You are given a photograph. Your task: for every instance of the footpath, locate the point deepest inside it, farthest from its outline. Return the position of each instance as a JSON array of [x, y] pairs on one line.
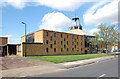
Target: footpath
[[43, 67]]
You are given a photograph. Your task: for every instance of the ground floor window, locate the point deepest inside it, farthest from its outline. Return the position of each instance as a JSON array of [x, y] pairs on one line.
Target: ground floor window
[[46, 49], [54, 49], [19, 48]]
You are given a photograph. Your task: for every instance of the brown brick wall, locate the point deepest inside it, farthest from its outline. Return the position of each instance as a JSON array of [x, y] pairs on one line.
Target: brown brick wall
[[33, 49], [3, 41]]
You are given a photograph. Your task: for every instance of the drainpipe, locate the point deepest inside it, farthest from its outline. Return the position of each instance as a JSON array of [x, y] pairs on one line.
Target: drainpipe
[[7, 50]]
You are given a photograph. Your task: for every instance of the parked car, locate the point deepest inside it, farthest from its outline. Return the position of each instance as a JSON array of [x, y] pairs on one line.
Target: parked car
[[104, 51]]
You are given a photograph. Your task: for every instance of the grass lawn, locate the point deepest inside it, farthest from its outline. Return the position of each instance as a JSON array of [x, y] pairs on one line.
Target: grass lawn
[[67, 58]]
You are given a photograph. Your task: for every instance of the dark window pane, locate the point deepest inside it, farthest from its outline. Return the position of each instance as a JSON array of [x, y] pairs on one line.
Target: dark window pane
[[61, 35], [46, 33], [67, 42], [75, 46], [67, 49], [61, 42], [54, 49], [46, 41], [51, 45], [64, 46], [51, 38], [54, 34], [64, 39], [54, 42], [46, 49], [61, 49], [67, 36]]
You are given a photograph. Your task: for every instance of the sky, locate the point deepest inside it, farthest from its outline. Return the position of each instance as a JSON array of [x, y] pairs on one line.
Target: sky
[[54, 15]]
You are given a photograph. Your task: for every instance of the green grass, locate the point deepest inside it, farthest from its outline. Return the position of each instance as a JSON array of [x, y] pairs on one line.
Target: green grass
[[67, 58]]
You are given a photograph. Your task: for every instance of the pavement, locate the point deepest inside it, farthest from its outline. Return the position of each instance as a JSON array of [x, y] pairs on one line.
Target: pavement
[[107, 68], [42, 67]]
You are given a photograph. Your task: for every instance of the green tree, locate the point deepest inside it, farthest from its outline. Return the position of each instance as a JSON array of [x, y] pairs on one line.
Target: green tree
[[107, 35]]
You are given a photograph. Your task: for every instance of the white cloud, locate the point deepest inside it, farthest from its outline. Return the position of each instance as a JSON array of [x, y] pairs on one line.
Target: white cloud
[[95, 30], [15, 3], [65, 5], [108, 13], [55, 21]]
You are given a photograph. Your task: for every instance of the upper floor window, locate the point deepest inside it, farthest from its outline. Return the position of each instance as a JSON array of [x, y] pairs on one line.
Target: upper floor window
[[72, 49], [64, 46], [72, 36], [46, 33], [46, 41], [67, 42], [54, 42], [61, 36], [75, 46], [72, 43], [54, 34], [77, 43], [50, 45], [64, 39], [75, 40], [61, 42], [51, 38], [77, 37], [67, 36]]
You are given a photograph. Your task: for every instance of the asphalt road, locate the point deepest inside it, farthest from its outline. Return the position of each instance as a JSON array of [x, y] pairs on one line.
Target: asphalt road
[[108, 68]]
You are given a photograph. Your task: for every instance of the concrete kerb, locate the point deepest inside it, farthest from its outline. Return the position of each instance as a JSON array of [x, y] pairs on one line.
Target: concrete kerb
[[68, 65]]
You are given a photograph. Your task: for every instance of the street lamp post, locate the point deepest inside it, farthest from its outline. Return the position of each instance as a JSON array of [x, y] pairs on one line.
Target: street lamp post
[[25, 37]]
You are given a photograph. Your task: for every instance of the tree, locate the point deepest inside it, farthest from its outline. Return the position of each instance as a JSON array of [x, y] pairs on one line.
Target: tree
[[107, 35]]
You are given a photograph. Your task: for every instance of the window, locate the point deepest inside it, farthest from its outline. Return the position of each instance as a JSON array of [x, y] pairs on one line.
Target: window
[[61, 49], [67, 49], [75, 40], [19, 48], [81, 37], [46, 49], [72, 49], [72, 36], [46, 41], [54, 34], [77, 37], [76, 27], [51, 45], [46, 33], [67, 42], [61, 36], [71, 28], [81, 43], [64, 39], [81, 49], [72, 43], [30, 38], [51, 38], [61, 42], [77, 43], [54, 42], [64, 46], [67, 36], [54, 49], [75, 46]]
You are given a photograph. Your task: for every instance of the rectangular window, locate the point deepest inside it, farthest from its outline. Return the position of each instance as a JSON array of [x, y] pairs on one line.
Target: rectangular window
[[46, 41], [54, 34], [76, 27], [81, 49], [54, 49], [61, 49], [72, 36], [75, 46], [67, 49], [46, 33], [77, 37], [77, 43], [61, 36], [72, 43], [64, 46], [51, 38], [19, 48], [50, 45], [54, 42], [67, 42], [81, 43], [67, 36], [64, 39], [61, 42], [75, 40], [72, 49], [81, 37], [46, 49]]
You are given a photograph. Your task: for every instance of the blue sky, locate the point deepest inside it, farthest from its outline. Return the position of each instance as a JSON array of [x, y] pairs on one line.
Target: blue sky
[[54, 15]]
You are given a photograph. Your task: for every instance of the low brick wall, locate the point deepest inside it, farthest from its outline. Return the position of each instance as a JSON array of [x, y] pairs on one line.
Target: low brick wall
[[32, 49]]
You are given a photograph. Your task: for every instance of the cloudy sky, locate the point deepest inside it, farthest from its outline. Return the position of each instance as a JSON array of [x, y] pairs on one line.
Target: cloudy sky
[[54, 15]]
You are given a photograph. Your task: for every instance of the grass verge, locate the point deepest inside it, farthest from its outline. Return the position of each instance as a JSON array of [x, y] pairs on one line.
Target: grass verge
[[68, 58]]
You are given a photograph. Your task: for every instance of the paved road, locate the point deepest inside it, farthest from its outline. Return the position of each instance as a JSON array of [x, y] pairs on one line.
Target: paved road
[[108, 68]]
